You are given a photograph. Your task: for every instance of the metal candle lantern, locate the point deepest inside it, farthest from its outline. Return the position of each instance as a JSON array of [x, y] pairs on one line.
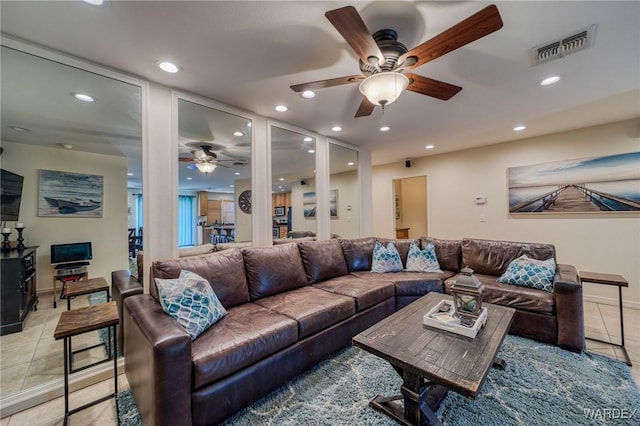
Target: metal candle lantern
[[467, 296]]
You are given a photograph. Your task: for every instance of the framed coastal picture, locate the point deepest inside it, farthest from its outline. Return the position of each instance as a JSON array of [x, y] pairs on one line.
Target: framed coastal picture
[[309, 201], [593, 185], [66, 194]]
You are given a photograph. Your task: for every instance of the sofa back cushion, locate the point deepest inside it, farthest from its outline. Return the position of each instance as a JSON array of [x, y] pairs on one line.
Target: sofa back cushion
[[323, 260], [492, 257], [358, 253], [224, 271], [272, 270], [448, 252]]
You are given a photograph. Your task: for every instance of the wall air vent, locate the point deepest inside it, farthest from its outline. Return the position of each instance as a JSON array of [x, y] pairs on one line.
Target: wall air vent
[[560, 48]]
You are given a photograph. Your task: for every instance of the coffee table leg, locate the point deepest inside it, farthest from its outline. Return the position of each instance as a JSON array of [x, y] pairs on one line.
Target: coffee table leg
[[420, 400], [499, 363]]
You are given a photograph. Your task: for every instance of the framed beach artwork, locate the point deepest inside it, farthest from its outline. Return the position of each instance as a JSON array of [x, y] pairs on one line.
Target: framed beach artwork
[[309, 204], [66, 194], [592, 185]]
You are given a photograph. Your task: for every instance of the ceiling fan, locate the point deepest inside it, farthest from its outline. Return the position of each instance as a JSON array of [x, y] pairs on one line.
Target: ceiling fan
[[205, 160], [384, 60]]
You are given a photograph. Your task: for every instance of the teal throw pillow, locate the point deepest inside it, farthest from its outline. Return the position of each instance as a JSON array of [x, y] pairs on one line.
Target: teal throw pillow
[[190, 300], [528, 272], [422, 260], [386, 259]]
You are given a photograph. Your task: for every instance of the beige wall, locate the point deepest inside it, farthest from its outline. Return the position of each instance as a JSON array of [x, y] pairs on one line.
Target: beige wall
[[107, 234], [346, 225], [592, 242], [413, 205], [298, 222]]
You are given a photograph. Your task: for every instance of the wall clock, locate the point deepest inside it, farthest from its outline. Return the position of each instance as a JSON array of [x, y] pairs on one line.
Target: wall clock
[[244, 201]]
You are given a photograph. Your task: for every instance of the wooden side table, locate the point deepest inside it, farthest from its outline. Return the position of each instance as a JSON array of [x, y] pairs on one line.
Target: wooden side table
[[84, 320], [616, 280]]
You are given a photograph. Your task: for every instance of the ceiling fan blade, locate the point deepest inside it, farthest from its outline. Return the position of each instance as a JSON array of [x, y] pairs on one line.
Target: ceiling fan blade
[[430, 87], [322, 84], [185, 160], [464, 32], [350, 25], [365, 108]]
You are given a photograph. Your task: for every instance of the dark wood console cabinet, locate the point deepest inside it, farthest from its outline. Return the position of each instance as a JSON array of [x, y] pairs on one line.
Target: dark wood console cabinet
[[18, 288]]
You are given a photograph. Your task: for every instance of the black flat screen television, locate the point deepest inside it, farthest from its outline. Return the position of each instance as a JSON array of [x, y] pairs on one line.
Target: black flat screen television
[[10, 195], [73, 252]]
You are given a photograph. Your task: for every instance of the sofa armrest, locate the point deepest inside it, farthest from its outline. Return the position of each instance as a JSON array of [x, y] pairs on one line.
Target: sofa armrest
[[123, 285], [567, 294], [156, 347]]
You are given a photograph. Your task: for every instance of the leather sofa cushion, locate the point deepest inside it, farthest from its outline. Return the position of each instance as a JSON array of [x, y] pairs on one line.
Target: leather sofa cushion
[[401, 245], [322, 260], [408, 283], [491, 257], [247, 334], [358, 253], [223, 270], [312, 308], [448, 252], [365, 292], [272, 270], [513, 296]]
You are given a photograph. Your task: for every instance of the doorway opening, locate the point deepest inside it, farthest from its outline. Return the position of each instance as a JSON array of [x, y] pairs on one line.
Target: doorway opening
[[410, 207]]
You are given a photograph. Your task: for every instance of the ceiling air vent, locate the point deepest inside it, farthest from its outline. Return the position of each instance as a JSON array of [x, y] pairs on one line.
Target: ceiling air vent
[[567, 45]]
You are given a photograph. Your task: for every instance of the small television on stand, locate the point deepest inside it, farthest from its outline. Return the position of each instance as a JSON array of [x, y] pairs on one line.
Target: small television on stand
[[10, 195], [71, 256]]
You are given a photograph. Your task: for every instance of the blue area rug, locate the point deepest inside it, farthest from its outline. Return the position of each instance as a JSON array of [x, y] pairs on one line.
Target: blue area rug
[[541, 385]]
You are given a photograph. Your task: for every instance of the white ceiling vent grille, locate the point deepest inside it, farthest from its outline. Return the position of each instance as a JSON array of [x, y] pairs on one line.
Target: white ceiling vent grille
[[560, 48]]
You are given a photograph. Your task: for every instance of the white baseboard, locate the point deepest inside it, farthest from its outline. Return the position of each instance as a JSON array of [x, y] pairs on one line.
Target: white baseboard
[[611, 301], [40, 394]]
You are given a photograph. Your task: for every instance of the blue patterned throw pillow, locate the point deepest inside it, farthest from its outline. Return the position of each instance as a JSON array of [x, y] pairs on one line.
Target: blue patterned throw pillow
[[422, 260], [190, 300], [528, 272], [386, 259]]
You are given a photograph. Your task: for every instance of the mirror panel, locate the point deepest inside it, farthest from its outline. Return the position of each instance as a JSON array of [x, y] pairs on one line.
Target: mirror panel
[[344, 192], [293, 163], [44, 127], [214, 176]]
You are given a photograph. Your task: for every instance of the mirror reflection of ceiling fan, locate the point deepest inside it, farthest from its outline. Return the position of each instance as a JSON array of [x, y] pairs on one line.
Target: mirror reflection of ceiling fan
[[206, 161], [384, 60]]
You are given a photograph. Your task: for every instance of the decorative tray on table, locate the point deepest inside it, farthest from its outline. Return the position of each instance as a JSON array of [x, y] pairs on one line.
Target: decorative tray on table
[[443, 317]]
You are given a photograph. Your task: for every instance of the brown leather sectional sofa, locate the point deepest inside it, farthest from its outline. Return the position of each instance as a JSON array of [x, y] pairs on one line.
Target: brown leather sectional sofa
[[291, 305]]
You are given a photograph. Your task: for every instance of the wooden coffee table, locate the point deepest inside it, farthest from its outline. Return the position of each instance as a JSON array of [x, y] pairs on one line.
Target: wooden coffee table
[[431, 361]]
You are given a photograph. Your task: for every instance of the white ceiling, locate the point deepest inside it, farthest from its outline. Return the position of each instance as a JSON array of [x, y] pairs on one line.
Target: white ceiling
[[247, 54]]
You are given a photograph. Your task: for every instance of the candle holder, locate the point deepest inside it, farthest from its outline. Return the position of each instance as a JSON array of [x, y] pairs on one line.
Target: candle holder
[[20, 238], [6, 246]]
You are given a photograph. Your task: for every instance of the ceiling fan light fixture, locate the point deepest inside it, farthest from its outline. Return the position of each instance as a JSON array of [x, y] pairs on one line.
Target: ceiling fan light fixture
[[206, 168], [384, 88]]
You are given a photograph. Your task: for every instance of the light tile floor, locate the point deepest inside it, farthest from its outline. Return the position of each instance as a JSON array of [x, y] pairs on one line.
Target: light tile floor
[[601, 321]]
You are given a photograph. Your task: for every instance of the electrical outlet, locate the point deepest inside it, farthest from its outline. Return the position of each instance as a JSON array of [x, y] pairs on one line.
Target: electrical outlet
[[483, 218]]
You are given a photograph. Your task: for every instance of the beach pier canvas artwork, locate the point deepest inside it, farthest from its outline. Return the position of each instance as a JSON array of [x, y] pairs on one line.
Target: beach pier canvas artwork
[[65, 194], [593, 185]]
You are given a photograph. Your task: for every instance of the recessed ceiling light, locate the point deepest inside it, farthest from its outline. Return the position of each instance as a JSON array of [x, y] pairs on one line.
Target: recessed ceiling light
[[94, 2], [19, 129], [281, 178], [550, 80], [279, 187], [237, 173], [237, 133], [385, 128], [282, 190], [308, 139], [308, 94], [519, 128], [230, 186], [429, 147], [66, 145], [281, 108], [189, 178], [350, 163], [249, 124], [312, 151], [83, 97], [336, 128], [169, 67], [129, 174]]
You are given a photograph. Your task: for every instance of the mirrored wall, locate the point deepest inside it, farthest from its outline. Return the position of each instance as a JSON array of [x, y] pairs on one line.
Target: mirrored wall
[[293, 169], [66, 121], [214, 176], [344, 191]]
